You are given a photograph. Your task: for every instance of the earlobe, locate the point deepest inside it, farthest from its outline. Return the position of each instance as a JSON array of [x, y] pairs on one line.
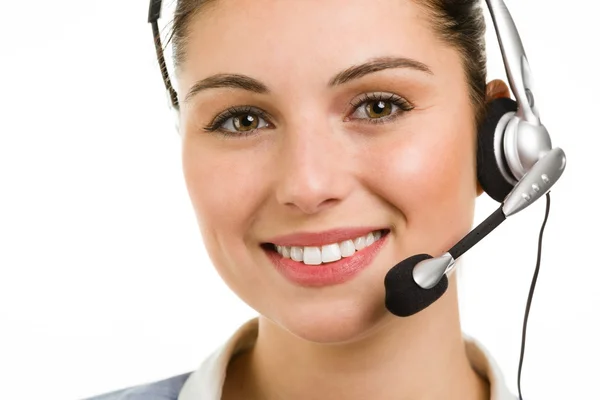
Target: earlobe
[[496, 89]]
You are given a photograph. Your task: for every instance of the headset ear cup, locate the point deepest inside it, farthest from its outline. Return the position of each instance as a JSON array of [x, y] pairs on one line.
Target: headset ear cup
[[489, 174]]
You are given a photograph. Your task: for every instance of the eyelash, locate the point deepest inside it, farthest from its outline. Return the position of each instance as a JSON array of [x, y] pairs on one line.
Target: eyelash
[[403, 105]]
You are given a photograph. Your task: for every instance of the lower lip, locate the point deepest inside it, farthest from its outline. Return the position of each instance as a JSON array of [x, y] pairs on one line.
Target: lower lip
[[326, 274]]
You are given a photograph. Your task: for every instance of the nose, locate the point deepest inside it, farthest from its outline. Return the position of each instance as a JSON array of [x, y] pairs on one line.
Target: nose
[[315, 168]]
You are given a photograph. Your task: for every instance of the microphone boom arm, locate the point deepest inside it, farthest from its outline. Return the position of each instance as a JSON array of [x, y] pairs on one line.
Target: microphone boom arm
[[535, 184]]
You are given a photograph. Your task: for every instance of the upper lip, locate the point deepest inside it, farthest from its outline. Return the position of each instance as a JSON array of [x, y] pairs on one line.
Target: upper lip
[[302, 239]]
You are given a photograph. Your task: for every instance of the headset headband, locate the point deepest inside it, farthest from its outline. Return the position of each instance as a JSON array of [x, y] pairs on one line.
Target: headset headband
[[153, 17]]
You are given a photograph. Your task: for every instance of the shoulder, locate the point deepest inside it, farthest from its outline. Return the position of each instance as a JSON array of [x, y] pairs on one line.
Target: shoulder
[[166, 389]]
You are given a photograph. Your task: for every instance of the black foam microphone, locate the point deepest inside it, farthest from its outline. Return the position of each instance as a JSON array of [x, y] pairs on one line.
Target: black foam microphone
[[417, 282]]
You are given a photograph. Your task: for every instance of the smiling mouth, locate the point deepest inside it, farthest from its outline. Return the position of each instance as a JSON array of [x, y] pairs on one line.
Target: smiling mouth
[[318, 255]]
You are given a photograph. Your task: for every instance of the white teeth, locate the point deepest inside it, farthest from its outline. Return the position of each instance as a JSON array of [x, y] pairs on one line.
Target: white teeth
[[370, 239], [347, 248], [360, 243], [312, 255], [297, 253], [331, 253]]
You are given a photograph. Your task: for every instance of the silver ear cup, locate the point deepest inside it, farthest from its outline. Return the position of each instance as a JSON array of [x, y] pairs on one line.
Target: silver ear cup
[[524, 144], [508, 147]]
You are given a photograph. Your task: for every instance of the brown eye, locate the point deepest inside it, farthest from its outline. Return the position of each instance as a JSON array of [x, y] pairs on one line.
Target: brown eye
[[245, 122], [378, 109]]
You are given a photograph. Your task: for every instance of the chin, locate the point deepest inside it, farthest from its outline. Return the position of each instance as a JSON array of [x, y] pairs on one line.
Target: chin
[[332, 322]]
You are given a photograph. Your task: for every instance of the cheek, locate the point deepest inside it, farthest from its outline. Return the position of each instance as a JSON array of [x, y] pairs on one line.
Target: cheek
[[225, 191], [224, 188], [429, 176]]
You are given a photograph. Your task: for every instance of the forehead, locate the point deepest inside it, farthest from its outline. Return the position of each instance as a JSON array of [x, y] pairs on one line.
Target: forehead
[[306, 39]]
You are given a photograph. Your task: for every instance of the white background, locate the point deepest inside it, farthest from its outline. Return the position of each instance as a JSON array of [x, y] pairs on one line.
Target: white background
[[104, 281]]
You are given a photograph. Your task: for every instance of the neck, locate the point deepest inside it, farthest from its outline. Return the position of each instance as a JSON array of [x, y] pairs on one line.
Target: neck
[[420, 357]]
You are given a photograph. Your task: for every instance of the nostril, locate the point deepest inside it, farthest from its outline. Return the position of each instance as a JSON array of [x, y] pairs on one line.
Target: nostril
[[307, 206]]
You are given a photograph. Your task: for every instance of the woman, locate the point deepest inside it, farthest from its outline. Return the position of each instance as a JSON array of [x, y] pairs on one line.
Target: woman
[[323, 142]]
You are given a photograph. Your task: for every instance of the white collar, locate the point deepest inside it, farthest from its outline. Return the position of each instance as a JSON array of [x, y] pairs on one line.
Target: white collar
[[206, 383]]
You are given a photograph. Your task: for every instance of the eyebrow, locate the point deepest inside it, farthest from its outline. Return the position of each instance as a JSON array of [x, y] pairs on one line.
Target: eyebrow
[[234, 81], [244, 82], [376, 65]]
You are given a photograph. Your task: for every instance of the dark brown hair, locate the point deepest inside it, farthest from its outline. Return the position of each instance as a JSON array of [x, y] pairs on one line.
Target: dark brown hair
[[459, 23]]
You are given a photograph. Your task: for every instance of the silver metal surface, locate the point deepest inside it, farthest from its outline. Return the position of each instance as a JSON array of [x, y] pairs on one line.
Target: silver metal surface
[[428, 273], [515, 61], [524, 145], [499, 151], [525, 139], [536, 183]]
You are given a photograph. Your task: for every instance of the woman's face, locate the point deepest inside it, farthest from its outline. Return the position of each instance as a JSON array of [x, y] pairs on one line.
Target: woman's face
[[343, 117]]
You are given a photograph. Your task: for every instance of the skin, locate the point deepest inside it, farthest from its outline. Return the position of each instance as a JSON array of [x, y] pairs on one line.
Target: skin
[[319, 165]]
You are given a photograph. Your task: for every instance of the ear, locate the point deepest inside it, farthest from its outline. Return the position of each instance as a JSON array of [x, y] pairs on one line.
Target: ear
[[494, 90]]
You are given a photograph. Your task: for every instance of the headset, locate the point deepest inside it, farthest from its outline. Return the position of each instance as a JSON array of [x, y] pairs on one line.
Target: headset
[[516, 165]]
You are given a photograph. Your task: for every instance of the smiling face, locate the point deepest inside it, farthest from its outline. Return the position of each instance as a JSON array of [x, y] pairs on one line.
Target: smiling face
[[313, 123]]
